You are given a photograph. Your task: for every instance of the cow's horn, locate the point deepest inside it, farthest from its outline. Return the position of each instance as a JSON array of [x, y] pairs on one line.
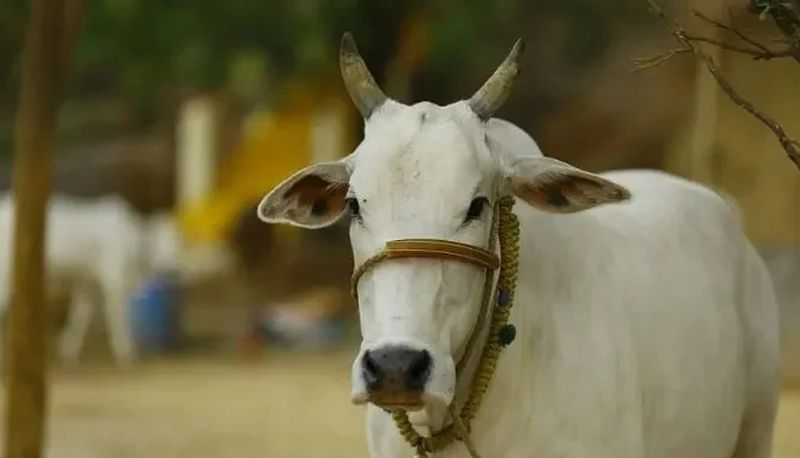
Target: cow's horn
[[366, 94], [496, 89]]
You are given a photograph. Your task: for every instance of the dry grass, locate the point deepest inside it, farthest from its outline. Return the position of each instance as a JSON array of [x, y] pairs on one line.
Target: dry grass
[[291, 405]]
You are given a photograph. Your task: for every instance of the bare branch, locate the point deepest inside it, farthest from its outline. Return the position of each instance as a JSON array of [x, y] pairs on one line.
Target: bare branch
[[733, 30], [756, 53], [791, 147], [643, 63], [785, 14]]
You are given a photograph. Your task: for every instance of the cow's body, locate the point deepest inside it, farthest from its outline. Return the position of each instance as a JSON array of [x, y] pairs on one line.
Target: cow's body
[[93, 254], [647, 329], [646, 324]]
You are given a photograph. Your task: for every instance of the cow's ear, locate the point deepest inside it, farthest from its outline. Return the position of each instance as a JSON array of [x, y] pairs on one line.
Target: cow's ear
[[312, 198], [543, 182], [557, 187]]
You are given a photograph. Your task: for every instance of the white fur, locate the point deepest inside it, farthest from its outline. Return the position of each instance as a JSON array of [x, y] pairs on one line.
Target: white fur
[[162, 244], [645, 328], [94, 253]]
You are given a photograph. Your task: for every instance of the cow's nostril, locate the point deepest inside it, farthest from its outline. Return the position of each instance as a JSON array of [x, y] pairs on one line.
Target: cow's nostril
[[371, 371], [419, 371]]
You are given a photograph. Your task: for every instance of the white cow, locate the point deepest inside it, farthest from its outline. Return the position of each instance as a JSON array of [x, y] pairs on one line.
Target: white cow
[[98, 251], [646, 322]]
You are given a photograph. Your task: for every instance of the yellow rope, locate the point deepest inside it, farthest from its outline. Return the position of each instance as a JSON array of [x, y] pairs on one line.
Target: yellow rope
[[463, 432], [363, 268], [508, 232]]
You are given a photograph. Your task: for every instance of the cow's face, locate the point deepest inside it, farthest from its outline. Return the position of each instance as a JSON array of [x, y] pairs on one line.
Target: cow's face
[[425, 171]]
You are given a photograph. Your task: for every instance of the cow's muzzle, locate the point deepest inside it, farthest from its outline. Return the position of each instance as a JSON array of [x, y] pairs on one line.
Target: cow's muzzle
[[395, 376]]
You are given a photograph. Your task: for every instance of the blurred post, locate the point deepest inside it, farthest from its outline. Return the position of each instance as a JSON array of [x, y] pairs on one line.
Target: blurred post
[[706, 106], [196, 150], [195, 164], [52, 31]]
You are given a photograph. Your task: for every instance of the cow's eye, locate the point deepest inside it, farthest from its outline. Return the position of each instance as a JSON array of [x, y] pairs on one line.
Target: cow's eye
[[353, 207], [475, 208]]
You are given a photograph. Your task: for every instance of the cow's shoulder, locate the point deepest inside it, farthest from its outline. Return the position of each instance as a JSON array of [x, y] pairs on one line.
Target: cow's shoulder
[[664, 212]]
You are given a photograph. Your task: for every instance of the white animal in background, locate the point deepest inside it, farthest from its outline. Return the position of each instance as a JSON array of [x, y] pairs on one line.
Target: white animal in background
[[95, 248], [646, 322], [162, 244]]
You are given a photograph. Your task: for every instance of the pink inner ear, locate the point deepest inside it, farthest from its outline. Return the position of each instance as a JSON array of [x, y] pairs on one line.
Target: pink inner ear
[[567, 193], [558, 193], [323, 198]]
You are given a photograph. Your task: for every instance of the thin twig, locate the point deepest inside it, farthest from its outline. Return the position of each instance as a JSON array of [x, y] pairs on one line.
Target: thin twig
[[785, 14], [733, 30], [757, 53], [644, 63], [758, 50], [792, 147]]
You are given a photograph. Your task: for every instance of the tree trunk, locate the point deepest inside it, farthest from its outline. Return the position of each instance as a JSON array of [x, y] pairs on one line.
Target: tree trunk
[[52, 30]]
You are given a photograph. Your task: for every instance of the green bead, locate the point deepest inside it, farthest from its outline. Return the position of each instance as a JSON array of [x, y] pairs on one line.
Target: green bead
[[506, 334]]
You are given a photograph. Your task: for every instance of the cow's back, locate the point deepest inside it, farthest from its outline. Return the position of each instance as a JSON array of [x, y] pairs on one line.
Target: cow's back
[[86, 238], [642, 314]]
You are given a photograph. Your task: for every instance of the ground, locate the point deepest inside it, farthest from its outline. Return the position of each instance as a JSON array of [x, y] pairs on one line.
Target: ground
[[283, 405]]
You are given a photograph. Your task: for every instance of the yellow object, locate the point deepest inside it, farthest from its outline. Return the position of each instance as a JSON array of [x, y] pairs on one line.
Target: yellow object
[[274, 146]]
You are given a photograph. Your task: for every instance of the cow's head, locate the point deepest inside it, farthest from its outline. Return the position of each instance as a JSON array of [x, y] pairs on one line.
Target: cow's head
[[425, 171]]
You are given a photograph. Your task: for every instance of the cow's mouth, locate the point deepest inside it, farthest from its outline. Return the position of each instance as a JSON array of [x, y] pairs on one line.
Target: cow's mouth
[[392, 400]]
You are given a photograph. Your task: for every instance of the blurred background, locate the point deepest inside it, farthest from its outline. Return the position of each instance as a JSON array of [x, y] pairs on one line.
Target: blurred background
[[189, 111]]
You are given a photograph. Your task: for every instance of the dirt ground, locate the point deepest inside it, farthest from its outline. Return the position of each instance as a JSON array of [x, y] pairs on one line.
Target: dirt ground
[[285, 405]]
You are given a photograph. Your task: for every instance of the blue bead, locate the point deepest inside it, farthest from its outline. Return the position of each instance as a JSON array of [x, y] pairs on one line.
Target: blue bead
[[503, 298]]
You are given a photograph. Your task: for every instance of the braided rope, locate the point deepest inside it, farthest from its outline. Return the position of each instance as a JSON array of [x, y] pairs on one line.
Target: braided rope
[[508, 232], [463, 432]]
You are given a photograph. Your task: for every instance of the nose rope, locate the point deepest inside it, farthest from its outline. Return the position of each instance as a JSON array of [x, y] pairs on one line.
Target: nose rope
[[428, 248], [505, 227], [463, 432]]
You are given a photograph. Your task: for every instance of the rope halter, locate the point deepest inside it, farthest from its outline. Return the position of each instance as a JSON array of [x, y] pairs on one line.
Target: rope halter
[[505, 227]]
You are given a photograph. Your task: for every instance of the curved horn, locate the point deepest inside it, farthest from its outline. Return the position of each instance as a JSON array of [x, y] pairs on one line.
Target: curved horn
[[366, 94], [496, 89]]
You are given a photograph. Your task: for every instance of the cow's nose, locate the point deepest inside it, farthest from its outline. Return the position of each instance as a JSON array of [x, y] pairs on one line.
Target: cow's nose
[[396, 369]]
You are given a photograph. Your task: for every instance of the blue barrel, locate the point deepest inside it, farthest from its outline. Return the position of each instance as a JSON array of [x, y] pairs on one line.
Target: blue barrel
[[155, 315]]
